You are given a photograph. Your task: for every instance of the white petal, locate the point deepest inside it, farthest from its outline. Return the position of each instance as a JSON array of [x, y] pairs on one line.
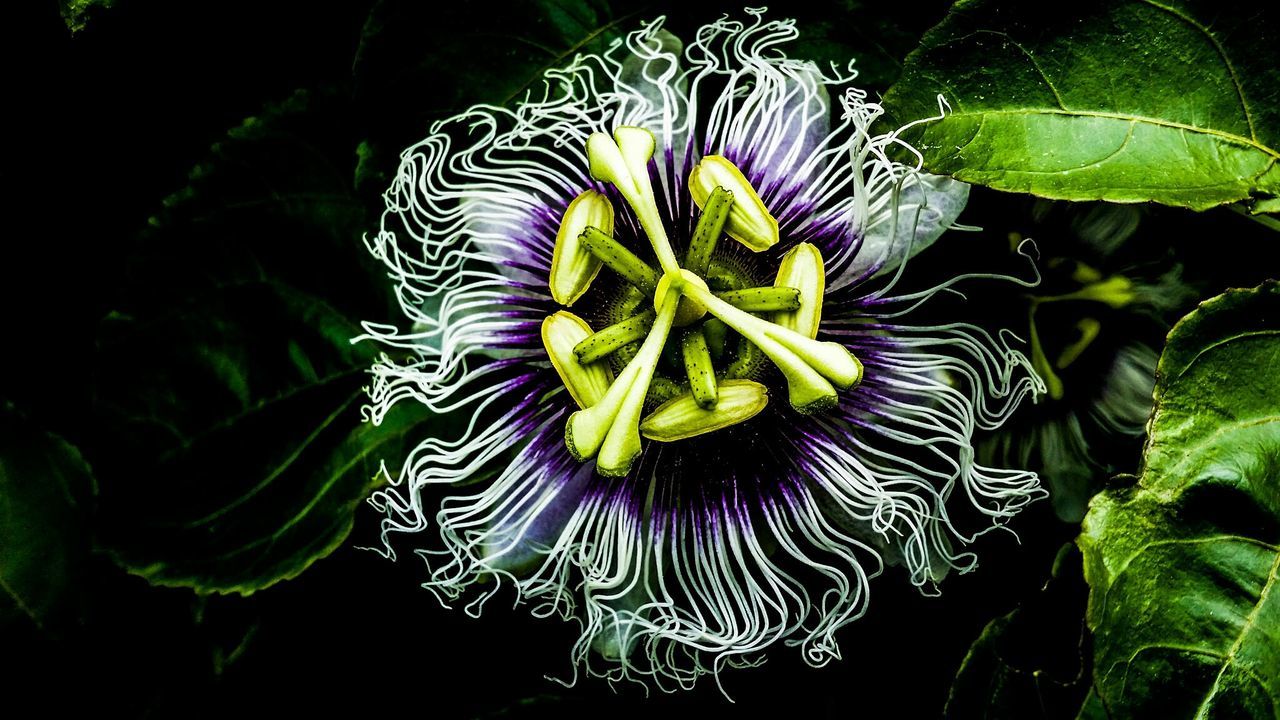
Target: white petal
[[529, 516], [925, 207]]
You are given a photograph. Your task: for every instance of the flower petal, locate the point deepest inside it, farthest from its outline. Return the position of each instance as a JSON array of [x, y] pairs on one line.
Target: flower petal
[[902, 227], [530, 513]]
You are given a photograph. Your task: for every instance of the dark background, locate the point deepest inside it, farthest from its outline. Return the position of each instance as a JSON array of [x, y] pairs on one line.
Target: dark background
[[107, 123]]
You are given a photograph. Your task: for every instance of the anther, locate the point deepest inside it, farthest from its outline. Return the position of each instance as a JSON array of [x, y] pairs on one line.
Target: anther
[[614, 338], [620, 259], [749, 220], [802, 268], [573, 267], [586, 383], [683, 417]]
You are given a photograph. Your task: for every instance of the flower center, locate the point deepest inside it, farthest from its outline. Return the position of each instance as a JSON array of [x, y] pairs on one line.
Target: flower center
[[697, 382]]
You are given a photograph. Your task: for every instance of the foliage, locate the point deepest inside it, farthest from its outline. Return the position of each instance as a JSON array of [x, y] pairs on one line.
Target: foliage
[[253, 340], [1183, 566], [76, 13], [1029, 662], [46, 491], [1132, 101]]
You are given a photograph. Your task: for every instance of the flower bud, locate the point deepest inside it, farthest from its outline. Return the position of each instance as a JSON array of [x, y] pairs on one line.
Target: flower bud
[[683, 417], [749, 220], [586, 383], [801, 268], [573, 267]]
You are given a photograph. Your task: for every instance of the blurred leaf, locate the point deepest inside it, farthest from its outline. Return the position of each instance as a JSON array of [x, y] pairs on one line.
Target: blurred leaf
[[488, 53], [1029, 663], [1095, 427], [45, 491], [272, 201], [1183, 567], [228, 389], [418, 62], [76, 12], [1124, 101], [876, 36]]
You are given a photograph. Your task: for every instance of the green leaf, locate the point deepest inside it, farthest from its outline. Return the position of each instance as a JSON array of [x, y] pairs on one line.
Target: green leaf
[[232, 444], [1130, 101], [45, 491], [488, 53], [273, 200], [1183, 566]]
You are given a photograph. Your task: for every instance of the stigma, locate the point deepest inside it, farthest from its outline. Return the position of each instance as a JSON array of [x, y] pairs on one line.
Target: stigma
[[694, 357]]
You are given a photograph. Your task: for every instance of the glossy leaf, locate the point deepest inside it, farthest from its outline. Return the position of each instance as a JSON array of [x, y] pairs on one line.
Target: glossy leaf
[[1183, 566], [1131, 101]]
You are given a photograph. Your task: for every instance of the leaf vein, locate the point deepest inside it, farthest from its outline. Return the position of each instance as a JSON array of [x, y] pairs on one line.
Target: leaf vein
[[278, 471], [1031, 58], [1222, 53], [17, 600], [1249, 622]]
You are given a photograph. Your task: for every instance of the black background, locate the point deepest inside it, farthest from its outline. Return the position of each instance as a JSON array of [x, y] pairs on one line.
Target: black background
[[103, 125]]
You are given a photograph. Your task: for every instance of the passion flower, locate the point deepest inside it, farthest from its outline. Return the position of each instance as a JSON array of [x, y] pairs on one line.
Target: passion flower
[[692, 414]]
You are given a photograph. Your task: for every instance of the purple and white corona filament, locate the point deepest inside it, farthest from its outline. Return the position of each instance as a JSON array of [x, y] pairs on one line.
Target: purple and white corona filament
[[692, 414]]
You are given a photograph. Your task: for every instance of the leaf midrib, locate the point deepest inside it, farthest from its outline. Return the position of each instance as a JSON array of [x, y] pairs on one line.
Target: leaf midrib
[[1125, 117], [1250, 141], [333, 477], [1249, 623], [332, 540], [20, 603], [276, 472]]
